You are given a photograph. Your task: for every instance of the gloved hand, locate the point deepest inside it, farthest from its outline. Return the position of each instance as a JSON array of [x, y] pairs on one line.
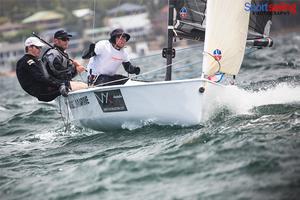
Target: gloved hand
[[137, 70], [64, 90], [91, 79], [90, 52]]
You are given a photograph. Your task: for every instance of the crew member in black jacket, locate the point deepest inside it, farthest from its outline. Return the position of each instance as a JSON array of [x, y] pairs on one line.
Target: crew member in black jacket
[[32, 75], [58, 64]]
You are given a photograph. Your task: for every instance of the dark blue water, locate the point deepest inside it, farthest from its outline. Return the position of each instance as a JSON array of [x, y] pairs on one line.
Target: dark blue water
[[248, 149]]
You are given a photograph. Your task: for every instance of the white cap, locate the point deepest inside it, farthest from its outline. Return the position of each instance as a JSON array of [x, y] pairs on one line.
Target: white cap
[[33, 41]]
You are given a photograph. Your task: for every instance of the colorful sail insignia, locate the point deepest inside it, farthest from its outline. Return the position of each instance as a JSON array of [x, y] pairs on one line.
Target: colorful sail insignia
[[183, 12], [217, 54]]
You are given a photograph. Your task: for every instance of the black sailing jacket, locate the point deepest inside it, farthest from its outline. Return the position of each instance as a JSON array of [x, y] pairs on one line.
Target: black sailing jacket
[[35, 80]]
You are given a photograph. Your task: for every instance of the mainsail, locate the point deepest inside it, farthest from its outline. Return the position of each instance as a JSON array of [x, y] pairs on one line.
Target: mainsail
[[190, 20], [225, 37], [259, 24]]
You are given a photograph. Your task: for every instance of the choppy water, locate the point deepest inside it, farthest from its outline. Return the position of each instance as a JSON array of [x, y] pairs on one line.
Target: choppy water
[[249, 149]]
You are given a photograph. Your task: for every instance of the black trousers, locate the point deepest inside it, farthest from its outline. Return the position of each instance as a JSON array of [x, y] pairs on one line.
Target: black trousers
[[116, 79]]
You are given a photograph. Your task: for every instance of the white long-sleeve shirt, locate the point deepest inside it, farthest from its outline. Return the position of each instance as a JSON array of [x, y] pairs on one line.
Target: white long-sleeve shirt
[[107, 59]]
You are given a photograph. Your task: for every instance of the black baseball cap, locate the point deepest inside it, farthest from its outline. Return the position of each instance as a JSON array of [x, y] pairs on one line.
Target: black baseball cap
[[61, 34], [117, 32]]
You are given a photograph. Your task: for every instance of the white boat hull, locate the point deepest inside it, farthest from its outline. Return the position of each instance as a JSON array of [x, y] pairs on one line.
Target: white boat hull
[[138, 103]]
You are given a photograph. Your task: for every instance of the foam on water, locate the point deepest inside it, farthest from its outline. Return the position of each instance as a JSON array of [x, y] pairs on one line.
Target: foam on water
[[2, 108], [241, 101]]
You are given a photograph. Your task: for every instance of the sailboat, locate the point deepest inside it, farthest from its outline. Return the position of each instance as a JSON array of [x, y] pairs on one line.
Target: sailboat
[[225, 29]]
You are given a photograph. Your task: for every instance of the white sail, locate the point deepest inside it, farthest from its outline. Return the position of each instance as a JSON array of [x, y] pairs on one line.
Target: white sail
[[225, 37]]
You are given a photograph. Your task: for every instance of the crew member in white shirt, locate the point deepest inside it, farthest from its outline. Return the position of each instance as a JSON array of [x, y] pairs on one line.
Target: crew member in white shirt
[[105, 59]]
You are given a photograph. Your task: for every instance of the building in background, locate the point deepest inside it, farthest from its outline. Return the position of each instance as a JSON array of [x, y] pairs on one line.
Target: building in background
[[85, 18], [96, 34], [9, 54], [134, 19], [44, 20], [10, 29]]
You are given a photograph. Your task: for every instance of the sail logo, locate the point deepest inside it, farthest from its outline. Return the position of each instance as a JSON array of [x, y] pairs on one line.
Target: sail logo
[[272, 8], [111, 101], [217, 54], [183, 12]]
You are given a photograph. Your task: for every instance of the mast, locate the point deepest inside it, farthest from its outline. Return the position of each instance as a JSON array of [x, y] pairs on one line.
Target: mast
[[168, 52]]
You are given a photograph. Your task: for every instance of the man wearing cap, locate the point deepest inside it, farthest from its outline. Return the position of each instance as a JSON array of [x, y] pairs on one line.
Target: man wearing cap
[[33, 76], [107, 57], [59, 65]]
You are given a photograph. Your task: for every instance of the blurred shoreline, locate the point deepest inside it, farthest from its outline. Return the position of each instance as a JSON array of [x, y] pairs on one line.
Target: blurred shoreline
[[276, 33]]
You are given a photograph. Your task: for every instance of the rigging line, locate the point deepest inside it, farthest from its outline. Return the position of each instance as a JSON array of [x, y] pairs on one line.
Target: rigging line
[[187, 65], [103, 84], [116, 13], [94, 21], [254, 23], [259, 26], [191, 47], [156, 54], [192, 14], [199, 11], [134, 76], [204, 52], [149, 72], [200, 6], [161, 68], [253, 26], [174, 63], [61, 115], [68, 123], [204, 12], [180, 60]]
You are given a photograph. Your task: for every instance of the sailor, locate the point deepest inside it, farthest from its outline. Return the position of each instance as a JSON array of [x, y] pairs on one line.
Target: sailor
[[59, 66], [32, 74], [106, 56]]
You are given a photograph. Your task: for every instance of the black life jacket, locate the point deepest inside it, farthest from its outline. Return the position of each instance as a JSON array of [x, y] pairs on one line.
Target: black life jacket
[[58, 65]]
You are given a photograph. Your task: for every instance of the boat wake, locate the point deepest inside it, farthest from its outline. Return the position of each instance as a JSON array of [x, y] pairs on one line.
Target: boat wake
[[240, 101]]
